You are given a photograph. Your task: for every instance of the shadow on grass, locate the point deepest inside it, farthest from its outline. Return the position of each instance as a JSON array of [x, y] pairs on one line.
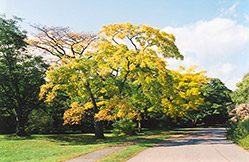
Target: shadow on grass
[[85, 139], [15, 137]]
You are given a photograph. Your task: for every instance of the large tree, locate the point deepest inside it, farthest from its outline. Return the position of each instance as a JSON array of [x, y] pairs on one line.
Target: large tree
[[124, 54], [124, 67], [20, 74]]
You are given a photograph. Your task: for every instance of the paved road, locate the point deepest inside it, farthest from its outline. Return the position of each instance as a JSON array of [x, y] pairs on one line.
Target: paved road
[[202, 145]]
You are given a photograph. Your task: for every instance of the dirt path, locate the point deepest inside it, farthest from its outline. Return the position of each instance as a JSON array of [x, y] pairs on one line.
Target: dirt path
[[201, 145]]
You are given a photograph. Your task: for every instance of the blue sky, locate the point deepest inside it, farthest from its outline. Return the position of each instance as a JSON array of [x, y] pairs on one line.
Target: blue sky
[[213, 34]]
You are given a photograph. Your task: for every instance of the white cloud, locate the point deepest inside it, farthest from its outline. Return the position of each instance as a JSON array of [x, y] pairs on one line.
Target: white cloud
[[187, 62], [218, 37], [230, 11], [246, 18], [213, 45], [222, 71]]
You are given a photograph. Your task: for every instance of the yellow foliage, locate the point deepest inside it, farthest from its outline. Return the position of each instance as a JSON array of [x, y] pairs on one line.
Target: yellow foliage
[[125, 52], [187, 89]]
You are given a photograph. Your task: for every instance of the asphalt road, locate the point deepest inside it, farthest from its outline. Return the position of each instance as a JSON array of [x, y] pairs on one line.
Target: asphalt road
[[201, 145]]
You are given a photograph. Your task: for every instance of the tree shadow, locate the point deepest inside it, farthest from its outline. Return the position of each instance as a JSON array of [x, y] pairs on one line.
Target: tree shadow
[[88, 139], [82, 139], [207, 136], [17, 138]]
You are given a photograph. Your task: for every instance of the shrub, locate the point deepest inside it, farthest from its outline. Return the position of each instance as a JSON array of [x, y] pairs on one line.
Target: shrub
[[124, 127], [238, 131], [40, 122]]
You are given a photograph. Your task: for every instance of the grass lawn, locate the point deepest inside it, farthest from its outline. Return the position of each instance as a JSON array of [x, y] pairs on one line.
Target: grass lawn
[[51, 148]]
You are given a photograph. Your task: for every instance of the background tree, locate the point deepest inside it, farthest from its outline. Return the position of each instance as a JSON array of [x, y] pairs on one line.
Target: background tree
[[239, 113], [217, 101], [20, 74], [241, 94]]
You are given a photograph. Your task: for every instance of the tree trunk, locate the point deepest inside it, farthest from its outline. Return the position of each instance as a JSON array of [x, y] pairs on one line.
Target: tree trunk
[[20, 128], [99, 132], [20, 125], [139, 126]]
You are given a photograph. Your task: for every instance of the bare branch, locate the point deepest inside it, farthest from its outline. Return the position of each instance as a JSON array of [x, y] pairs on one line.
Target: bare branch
[[132, 43], [60, 41]]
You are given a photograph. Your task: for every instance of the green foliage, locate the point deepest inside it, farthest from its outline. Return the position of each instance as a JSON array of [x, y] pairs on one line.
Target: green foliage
[[217, 102], [241, 95], [124, 127], [7, 125], [20, 74], [238, 131], [40, 121]]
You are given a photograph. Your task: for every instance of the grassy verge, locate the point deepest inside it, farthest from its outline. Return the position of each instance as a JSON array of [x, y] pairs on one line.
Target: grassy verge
[[132, 150], [52, 148], [244, 142]]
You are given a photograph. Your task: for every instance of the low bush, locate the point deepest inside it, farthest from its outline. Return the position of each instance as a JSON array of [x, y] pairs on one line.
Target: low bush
[[124, 127], [40, 122]]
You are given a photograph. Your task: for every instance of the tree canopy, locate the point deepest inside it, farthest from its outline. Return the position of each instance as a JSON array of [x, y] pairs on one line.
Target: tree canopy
[[123, 68]]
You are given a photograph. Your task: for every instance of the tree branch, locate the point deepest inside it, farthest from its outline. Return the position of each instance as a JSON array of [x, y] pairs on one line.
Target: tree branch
[[132, 43], [126, 75]]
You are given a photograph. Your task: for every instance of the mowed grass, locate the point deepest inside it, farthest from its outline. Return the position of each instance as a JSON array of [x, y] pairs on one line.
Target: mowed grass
[[51, 148]]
